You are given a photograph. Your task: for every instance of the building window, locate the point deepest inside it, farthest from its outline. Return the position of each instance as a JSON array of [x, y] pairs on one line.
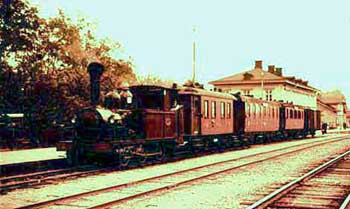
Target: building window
[[268, 94], [228, 110], [213, 109], [206, 109], [222, 109], [246, 92]]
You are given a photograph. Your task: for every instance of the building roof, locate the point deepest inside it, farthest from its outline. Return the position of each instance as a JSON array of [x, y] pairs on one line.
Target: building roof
[[258, 74], [333, 97], [326, 106], [254, 74]]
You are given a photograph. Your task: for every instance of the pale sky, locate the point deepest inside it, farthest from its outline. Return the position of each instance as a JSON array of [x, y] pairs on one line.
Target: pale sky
[[308, 39]]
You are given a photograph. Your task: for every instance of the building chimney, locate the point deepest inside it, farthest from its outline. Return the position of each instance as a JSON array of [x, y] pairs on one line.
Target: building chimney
[[95, 70], [278, 71], [271, 69], [258, 64]]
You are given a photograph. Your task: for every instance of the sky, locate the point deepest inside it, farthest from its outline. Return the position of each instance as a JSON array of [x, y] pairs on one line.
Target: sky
[[308, 39]]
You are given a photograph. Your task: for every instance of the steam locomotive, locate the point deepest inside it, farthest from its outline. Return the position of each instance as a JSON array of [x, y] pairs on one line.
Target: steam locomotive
[[151, 122]]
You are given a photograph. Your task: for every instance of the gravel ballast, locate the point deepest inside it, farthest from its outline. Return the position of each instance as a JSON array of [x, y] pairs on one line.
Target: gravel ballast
[[227, 190]]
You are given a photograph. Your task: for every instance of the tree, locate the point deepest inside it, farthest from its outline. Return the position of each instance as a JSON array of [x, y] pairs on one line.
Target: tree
[[43, 62], [153, 80]]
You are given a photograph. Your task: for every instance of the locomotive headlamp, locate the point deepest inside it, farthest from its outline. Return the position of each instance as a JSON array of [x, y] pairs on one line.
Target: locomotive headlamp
[[111, 120], [73, 120]]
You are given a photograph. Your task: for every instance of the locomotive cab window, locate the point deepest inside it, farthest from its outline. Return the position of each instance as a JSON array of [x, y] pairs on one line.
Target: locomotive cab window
[[206, 109], [222, 109], [213, 109]]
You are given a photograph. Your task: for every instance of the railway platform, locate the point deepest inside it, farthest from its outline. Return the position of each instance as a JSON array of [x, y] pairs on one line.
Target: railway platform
[[30, 159], [30, 155]]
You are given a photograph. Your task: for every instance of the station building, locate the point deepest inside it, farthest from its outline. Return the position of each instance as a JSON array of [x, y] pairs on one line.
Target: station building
[[269, 85], [328, 113], [348, 118], [337, 101]]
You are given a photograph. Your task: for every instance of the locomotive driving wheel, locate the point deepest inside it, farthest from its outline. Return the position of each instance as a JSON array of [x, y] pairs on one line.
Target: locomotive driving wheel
[[122, 156], [161, 155]]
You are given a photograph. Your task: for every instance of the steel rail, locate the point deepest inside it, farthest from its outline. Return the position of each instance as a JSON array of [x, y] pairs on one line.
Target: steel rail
[[119, 186], [265, 201], [346, 203], [20, 181]]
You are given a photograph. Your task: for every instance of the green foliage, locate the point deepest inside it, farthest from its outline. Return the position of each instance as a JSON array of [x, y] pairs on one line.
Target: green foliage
[[153, 80], [43, 62]]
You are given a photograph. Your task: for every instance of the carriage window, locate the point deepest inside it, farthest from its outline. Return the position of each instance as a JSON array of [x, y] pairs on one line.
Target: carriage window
[[295, 114], [206, 109], [213, 109], [222, 109], [228, 110], [291, 113], [299, 114], [253, 110], [273, 112]]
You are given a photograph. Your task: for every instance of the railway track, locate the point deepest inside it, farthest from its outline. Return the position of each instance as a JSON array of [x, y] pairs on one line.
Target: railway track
[[326, 186], [116, 194], [43, 177], [9, 183]]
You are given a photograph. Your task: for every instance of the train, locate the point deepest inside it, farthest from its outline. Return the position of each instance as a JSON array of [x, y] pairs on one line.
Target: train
[[143, 122]]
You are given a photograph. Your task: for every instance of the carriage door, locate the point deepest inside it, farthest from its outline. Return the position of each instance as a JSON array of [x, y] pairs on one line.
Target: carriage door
[[282, 118], [192, 115], [196, 115]]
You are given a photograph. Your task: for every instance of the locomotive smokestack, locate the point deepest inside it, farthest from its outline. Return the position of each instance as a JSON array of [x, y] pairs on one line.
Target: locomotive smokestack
[[95, 70]]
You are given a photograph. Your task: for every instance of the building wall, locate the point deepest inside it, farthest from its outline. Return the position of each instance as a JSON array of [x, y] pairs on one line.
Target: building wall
[[328, 116], [341, 117], [278, 93]]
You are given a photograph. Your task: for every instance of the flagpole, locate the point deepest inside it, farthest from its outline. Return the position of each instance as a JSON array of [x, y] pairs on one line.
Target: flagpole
[[194, 57]]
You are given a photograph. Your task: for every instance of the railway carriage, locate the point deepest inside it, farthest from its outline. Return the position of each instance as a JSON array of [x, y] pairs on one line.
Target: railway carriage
[[208, 118], [261, 121]]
